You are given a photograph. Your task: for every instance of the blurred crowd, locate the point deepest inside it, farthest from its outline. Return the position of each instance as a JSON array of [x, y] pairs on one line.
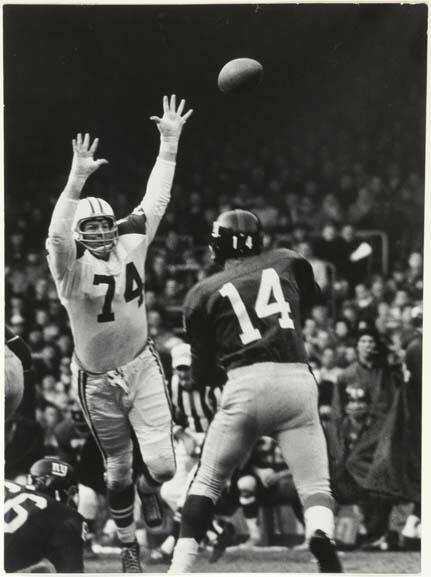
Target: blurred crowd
[[336, 211]]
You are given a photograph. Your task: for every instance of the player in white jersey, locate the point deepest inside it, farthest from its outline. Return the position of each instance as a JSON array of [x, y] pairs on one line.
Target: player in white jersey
[[98, 266]]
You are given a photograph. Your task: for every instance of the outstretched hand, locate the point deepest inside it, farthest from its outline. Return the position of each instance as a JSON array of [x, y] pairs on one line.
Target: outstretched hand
[[172, 121], [83, 163]]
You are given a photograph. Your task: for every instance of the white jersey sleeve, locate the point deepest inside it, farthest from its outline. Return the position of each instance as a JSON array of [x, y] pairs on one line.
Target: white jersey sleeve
[[157, 195], [60, 243]]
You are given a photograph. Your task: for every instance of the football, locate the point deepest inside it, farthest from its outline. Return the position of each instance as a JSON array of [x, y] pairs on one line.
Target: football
[[240, 75]]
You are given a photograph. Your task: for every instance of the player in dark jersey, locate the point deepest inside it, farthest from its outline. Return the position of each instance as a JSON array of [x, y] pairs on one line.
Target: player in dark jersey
[[247, 321], [41, 522]]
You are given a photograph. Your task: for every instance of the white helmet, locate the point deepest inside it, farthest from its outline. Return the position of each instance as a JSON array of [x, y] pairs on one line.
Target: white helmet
[[91, 208]]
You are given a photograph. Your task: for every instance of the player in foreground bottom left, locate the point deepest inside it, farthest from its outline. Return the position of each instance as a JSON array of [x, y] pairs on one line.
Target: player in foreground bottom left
[[44, 533]]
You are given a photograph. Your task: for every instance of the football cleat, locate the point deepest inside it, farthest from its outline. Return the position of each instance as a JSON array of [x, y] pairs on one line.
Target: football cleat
[[224, 540], [325, 552], [130, 558]]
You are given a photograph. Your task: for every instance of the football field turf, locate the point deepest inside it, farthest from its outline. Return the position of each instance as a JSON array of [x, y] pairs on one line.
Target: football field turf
[[276, 559]]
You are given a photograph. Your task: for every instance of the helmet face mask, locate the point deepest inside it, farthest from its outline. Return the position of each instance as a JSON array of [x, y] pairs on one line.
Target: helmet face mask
[[100, 238], [235, 234], [99, 242]]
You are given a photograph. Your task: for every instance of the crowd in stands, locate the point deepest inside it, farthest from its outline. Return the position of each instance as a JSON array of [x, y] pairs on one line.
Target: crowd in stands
[[324, 208]]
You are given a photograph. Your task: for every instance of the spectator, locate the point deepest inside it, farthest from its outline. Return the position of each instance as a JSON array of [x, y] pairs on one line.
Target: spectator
[[320, 267], [362, 398], [267, 213], [361, 212], [157, 272], [330, 210], [365, 304], [330, 247], [329, 371], [414, 275], [355, 268]]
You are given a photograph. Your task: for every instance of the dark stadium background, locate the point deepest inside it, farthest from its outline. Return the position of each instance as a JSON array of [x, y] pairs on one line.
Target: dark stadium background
[[339, 70]]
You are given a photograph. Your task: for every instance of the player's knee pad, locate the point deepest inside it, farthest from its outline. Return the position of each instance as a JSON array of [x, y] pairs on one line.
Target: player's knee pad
[[161, 469], [119, 471], [170, 493], [247, 485], [88, 503]]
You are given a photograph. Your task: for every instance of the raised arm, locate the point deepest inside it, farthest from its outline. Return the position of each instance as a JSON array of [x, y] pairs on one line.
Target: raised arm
[[159, 185], [60, 243]]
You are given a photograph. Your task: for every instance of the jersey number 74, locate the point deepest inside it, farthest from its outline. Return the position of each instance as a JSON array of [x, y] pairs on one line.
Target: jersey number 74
[[133, 289]]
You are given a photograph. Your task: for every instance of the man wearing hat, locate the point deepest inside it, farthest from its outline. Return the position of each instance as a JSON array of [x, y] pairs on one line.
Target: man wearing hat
[[362, 399]]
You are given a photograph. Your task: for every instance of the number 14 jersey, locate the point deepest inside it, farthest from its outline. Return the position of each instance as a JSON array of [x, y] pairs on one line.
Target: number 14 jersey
[[250, 313]]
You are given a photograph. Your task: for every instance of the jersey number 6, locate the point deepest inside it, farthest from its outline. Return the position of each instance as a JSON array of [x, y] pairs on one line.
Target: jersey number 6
[[134, 289], [18, 508], [269, 285]]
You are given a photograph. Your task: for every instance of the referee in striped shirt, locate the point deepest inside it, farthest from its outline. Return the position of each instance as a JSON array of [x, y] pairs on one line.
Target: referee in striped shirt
[[193, 409]]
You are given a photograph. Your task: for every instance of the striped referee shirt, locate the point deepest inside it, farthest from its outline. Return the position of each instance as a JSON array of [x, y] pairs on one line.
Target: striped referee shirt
[[194, 408]]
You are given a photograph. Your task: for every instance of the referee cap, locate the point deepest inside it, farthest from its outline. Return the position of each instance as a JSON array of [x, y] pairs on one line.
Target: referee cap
[[181, 355]]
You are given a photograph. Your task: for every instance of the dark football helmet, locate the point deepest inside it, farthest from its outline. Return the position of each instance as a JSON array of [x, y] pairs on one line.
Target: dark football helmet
[[235, 234], [55, 478]]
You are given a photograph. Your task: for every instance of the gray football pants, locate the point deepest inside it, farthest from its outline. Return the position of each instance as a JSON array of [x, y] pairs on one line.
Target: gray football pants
[[133, 396], [273, 399]]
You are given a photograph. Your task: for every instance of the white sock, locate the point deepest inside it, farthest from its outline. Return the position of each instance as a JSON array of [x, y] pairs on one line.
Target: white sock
[[410, 528], [168, 545], [88, 503], [127, 534], [185, 554], [319, 517], [253, 528]]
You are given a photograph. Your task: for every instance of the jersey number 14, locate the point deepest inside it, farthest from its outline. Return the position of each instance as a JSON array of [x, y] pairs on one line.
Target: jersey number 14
[[269, 290]]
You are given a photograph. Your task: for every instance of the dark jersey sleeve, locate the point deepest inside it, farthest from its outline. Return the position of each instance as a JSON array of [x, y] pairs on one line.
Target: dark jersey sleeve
[[309, 291], [66, 546], [135, 223], [205, 370]]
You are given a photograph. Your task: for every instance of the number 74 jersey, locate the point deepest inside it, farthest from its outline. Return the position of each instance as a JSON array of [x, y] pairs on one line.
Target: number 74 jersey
[[250, 313], [105, 299]]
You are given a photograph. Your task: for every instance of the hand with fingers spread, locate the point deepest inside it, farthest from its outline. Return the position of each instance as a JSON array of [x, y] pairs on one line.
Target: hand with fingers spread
[[83, 163], [172, 121]]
